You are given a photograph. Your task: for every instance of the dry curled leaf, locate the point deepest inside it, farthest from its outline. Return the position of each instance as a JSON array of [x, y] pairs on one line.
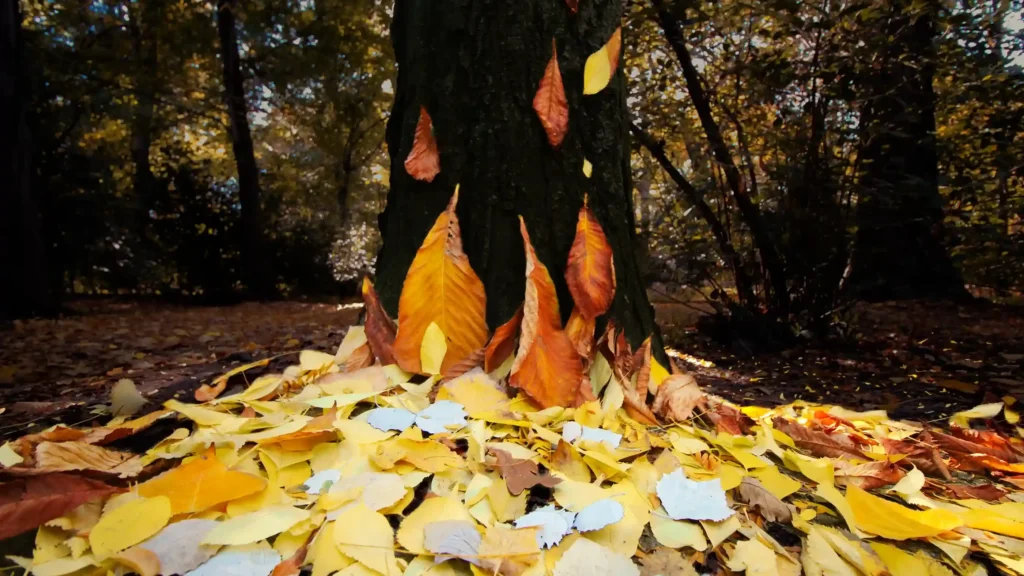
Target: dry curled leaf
[[590, 272], [441, 288], [521, 474], [550, 103], [471, 362], [869, 475], [68, 456], [503, 342], [987, 492], [677, 396], [924, 457], [547, 367], [816, 442], [380, 328], [758, 497], [992, 444], [666, 562], [423, 162], [27, 503], [581, 332], [361, 357]]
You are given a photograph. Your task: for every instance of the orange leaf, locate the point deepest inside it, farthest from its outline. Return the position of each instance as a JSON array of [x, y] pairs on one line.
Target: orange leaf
[[28, 503], [550, 103], [503, 342], [292, 566], [380, 329], [676, 397], [423, 161], [614, 48], [208, 392], [590, 272], [200, 484], [441, 288], [361, 357], [474, 360], [67, 456], [643, 371], [547, 367], [581, 332]]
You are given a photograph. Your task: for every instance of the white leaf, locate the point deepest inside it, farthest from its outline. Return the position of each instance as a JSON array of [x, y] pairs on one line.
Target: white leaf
[[554, 524], [385, 419], [598, 515], [571, 431], [322, 481], [452, 539], [685, 499], [441, 416], [259, 562], [588, 558], [599, 435], [178, 545], [125, 399]]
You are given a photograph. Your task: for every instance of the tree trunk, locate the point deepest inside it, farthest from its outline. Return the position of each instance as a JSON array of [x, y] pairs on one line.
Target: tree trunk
[[255, 270], [144, 43], [898, 249], [476, 65], [25, 290]]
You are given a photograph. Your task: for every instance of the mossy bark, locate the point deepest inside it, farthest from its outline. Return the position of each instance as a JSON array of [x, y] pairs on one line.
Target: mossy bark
[[476, 65]]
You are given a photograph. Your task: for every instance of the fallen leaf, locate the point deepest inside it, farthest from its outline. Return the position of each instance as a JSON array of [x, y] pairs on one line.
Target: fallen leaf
[[68, 456], [546, 367], [598, 515], [569, 462], [590, 271], [128, 525], [235, 562], [666, 562], [983, 411], [386, 419], [987, 492], [521, 474], [958, 446], [676, 397], [757, 496], [816, 442], [411, 533], [423, 162], [321, 481], [255, 526], [503, 342], [580, 331], [433, 349], [685, 499], [896, 522], [441, 416], [441, 288], [179, 548], [508, 551], [593, 559], [452, 539], [553, 524], [550, 104], [469, 363], [292, 565], [139, 561], [377, 490], [677, 533], [921, 456], [754, 558], [869, 475], [27, 503], [366, 536], [125, 399], [380, 328], [601, 65], [200, 484]]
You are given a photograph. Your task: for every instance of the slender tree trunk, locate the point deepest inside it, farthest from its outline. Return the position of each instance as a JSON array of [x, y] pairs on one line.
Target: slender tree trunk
[[25, 289], [255, 270], [771, 261], [898, 249], [144, 42], [476, 65]]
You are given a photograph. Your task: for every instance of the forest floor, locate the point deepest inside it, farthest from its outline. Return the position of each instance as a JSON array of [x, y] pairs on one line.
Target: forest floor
[[918, 360]]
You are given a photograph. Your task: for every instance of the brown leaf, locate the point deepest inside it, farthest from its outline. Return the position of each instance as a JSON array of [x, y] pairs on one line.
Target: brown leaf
[[292, 565], [474, 360], [521, 474], [423, 162], [360, 358], [869, 475], [1003, 446], [550, 104], [642, 362], [68, 456], [547, 367], [568, 461], [581, 333], [955, 445], [666, 562], [585, 393], [30, 502], [987, 492], [107, 434], [380, 328], [676, 397], [614, 49], [503, 342], [926, 458], [727, 419], [758, 497], [590, 271], [816, 442]]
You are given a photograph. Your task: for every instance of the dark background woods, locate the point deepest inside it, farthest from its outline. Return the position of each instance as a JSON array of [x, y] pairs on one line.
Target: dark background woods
[[787, 156]]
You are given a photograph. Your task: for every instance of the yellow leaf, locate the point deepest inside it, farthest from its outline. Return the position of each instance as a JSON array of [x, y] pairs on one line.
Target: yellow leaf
[[477, 392], [600, 66], [776, 482], [201, 483], [441, 288], [63, 566], [410, 532], [429, 455], [755, 558], [718, 532], [314, 360], [361, 432], [990, 519], [324, 553], [677, 533], [365, 535], [818, 557], [128, 525], [199, 414], [256, 526], [898, 561], [506, 507], [8, 457], [894, 521], [962, 419], [503, 542], [432, 350], [588, 168]]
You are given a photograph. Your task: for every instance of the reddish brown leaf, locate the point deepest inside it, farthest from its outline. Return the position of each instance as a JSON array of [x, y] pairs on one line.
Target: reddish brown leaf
[[69, 456], [360, 358], [474, 360], [208, 392], [992, 440], [503, 342], [550, 104], [642, 363], [574, 5], [581, 332], [590, 272], [614, 49], [758, 497], [816, 442], [521, 474], [31, 502], [292, 565], [987, 492], [728, 419], [958, 446], [926, 458], [585, 393], [108, 434], [869, 475], [677, 396], [423, 162], [380, 328], [547, 367]]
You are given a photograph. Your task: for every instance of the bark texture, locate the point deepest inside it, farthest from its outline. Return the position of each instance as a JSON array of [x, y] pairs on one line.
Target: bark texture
[[476, 65], [898, 250], [254, 260], [144, 28]]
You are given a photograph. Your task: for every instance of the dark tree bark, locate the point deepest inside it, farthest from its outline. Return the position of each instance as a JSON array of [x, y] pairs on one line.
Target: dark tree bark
[[771, 261], [25, 289], [476, 65], [255, 269], [898, 249], [144, 29]]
